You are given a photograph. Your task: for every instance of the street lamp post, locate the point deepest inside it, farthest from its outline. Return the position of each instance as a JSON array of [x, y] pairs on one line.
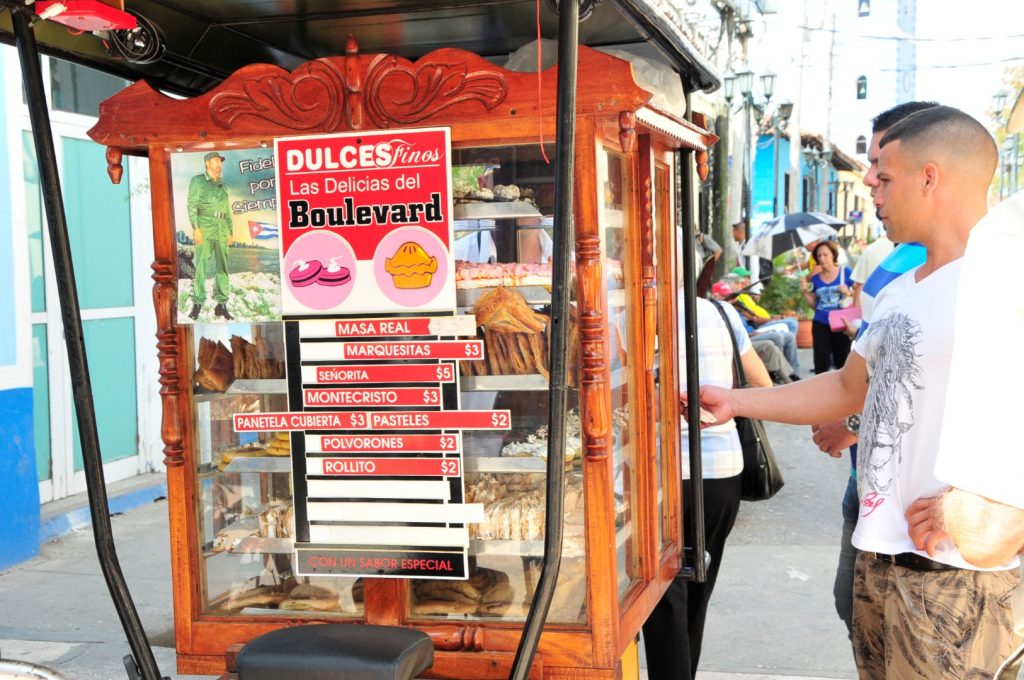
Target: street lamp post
[[745, 82]]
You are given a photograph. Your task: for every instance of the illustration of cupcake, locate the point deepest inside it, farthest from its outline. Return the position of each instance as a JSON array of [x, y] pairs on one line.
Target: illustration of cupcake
[[305, 273], [334, 275], [411, 266]]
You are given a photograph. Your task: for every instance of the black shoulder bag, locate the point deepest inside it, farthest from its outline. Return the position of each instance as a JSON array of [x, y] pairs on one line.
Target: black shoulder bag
[[761, 477]]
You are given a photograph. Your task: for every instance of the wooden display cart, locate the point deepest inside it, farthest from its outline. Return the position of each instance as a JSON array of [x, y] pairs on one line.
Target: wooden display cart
[[230, 544]]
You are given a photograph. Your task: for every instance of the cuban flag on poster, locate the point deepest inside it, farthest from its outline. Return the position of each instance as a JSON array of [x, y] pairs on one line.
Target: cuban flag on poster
[[262, 230]]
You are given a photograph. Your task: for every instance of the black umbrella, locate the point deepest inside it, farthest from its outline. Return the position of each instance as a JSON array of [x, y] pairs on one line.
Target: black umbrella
[[789, 231]]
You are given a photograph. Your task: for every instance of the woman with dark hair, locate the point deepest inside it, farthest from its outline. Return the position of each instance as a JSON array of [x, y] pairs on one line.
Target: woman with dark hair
[[825, 291]]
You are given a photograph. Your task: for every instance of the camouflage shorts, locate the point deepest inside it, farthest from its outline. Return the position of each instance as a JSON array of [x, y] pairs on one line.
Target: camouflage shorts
[[931, 624]]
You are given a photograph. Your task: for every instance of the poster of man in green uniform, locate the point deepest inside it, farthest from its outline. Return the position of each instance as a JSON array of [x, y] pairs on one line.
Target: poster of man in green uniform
[[212, 233], [226, 229]]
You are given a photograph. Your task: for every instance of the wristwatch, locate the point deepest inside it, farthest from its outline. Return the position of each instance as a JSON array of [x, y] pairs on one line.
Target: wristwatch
[[853, 424]]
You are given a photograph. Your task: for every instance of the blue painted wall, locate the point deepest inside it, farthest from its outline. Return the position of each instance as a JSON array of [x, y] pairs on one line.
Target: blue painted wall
[[8, 343], [19, 521], [19, 487], [762, 194]]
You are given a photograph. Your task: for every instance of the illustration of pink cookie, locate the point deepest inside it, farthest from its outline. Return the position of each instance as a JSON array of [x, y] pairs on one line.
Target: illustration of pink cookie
[[334, 275], [305, 273]]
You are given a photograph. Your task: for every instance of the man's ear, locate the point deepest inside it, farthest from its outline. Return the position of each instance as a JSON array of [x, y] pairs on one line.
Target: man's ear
[[930, 177]]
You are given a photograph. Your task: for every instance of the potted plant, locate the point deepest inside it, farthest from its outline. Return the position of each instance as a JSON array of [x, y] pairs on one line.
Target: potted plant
[[782, 296]]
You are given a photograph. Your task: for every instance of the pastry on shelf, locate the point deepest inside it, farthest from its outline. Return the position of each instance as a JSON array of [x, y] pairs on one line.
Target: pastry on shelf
[[514, 506], [513, 332], [261, 596], [469, 275], [251, 451], [215, 367], [233, 534], [506, 192], [276, 520], [307, 597], [486, 591], [255, 360], [280, 444]]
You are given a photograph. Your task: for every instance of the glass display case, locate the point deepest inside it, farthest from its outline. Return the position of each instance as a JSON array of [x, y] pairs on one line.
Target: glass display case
[[231, 493], [244, 515]]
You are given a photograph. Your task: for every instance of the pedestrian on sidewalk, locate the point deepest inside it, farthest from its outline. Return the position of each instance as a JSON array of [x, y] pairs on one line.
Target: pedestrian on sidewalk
[[675, 629]]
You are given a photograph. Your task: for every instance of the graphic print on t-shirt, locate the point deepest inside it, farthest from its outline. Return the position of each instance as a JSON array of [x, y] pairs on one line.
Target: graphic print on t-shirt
[[888, 414]]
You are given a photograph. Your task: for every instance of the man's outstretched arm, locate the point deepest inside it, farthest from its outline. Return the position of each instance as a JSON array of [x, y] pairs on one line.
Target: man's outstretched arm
[[808, 402]]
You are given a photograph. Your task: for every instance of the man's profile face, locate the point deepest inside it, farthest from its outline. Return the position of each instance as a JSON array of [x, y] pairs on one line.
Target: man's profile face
[[215, 167], [871, 178], [892, 195]]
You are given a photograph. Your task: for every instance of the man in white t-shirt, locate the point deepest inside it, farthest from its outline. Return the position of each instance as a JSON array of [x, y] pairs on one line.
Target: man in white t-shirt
[[914, 616]]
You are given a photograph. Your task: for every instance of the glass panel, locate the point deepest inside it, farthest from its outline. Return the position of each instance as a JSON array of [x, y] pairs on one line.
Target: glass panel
[[110, 346], [99, 227], [78, 89], [615, 185], [41, 401], [244, 512], [34, 222], [503, 232]]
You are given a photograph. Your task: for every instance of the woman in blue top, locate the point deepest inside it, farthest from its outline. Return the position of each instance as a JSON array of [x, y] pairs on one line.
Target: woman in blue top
[[827, 288]]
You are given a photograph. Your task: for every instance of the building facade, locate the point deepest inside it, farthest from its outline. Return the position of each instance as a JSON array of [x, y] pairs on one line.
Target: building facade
[[108, 228], [875, 59]]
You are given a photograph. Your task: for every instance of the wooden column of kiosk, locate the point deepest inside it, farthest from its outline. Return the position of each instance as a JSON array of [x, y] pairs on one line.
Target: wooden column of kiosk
[[364, 439]]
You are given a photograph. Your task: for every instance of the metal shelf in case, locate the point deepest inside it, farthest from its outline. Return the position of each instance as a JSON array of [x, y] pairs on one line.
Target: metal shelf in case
[[534, 295], [505, 464], [243, 387], [495, 210], [531, 382], [276, 464], [572, 546]]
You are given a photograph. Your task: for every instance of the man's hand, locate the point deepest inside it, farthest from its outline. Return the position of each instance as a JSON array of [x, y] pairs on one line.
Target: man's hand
[[717, 401], [231, 239], [197, 236], [832, 437], [925, 525]]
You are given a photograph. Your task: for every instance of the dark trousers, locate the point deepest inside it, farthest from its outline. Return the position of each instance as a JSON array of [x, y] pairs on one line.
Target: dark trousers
[[829, 347], [675, 629]]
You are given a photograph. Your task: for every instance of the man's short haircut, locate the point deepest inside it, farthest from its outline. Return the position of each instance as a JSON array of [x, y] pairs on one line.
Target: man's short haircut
[[952, 129], [886, 119]]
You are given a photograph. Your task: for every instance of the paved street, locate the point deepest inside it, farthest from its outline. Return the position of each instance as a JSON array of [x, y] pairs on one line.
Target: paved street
[[771, 615]]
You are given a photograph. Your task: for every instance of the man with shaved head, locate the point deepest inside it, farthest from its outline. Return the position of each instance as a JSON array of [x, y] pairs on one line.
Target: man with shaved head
[[917, 614]]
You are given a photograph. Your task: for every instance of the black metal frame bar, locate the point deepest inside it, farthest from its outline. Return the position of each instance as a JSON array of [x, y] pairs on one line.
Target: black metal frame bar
[[81, 386], [694, 564], [565, 141]]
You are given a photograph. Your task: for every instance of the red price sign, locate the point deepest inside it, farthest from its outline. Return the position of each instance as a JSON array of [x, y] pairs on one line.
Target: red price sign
[[372, 396], [379, 373], [437, 349], [384, 467]]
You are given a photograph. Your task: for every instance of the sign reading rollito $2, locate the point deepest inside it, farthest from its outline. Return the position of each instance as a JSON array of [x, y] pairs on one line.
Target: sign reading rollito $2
[[365, 222]]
